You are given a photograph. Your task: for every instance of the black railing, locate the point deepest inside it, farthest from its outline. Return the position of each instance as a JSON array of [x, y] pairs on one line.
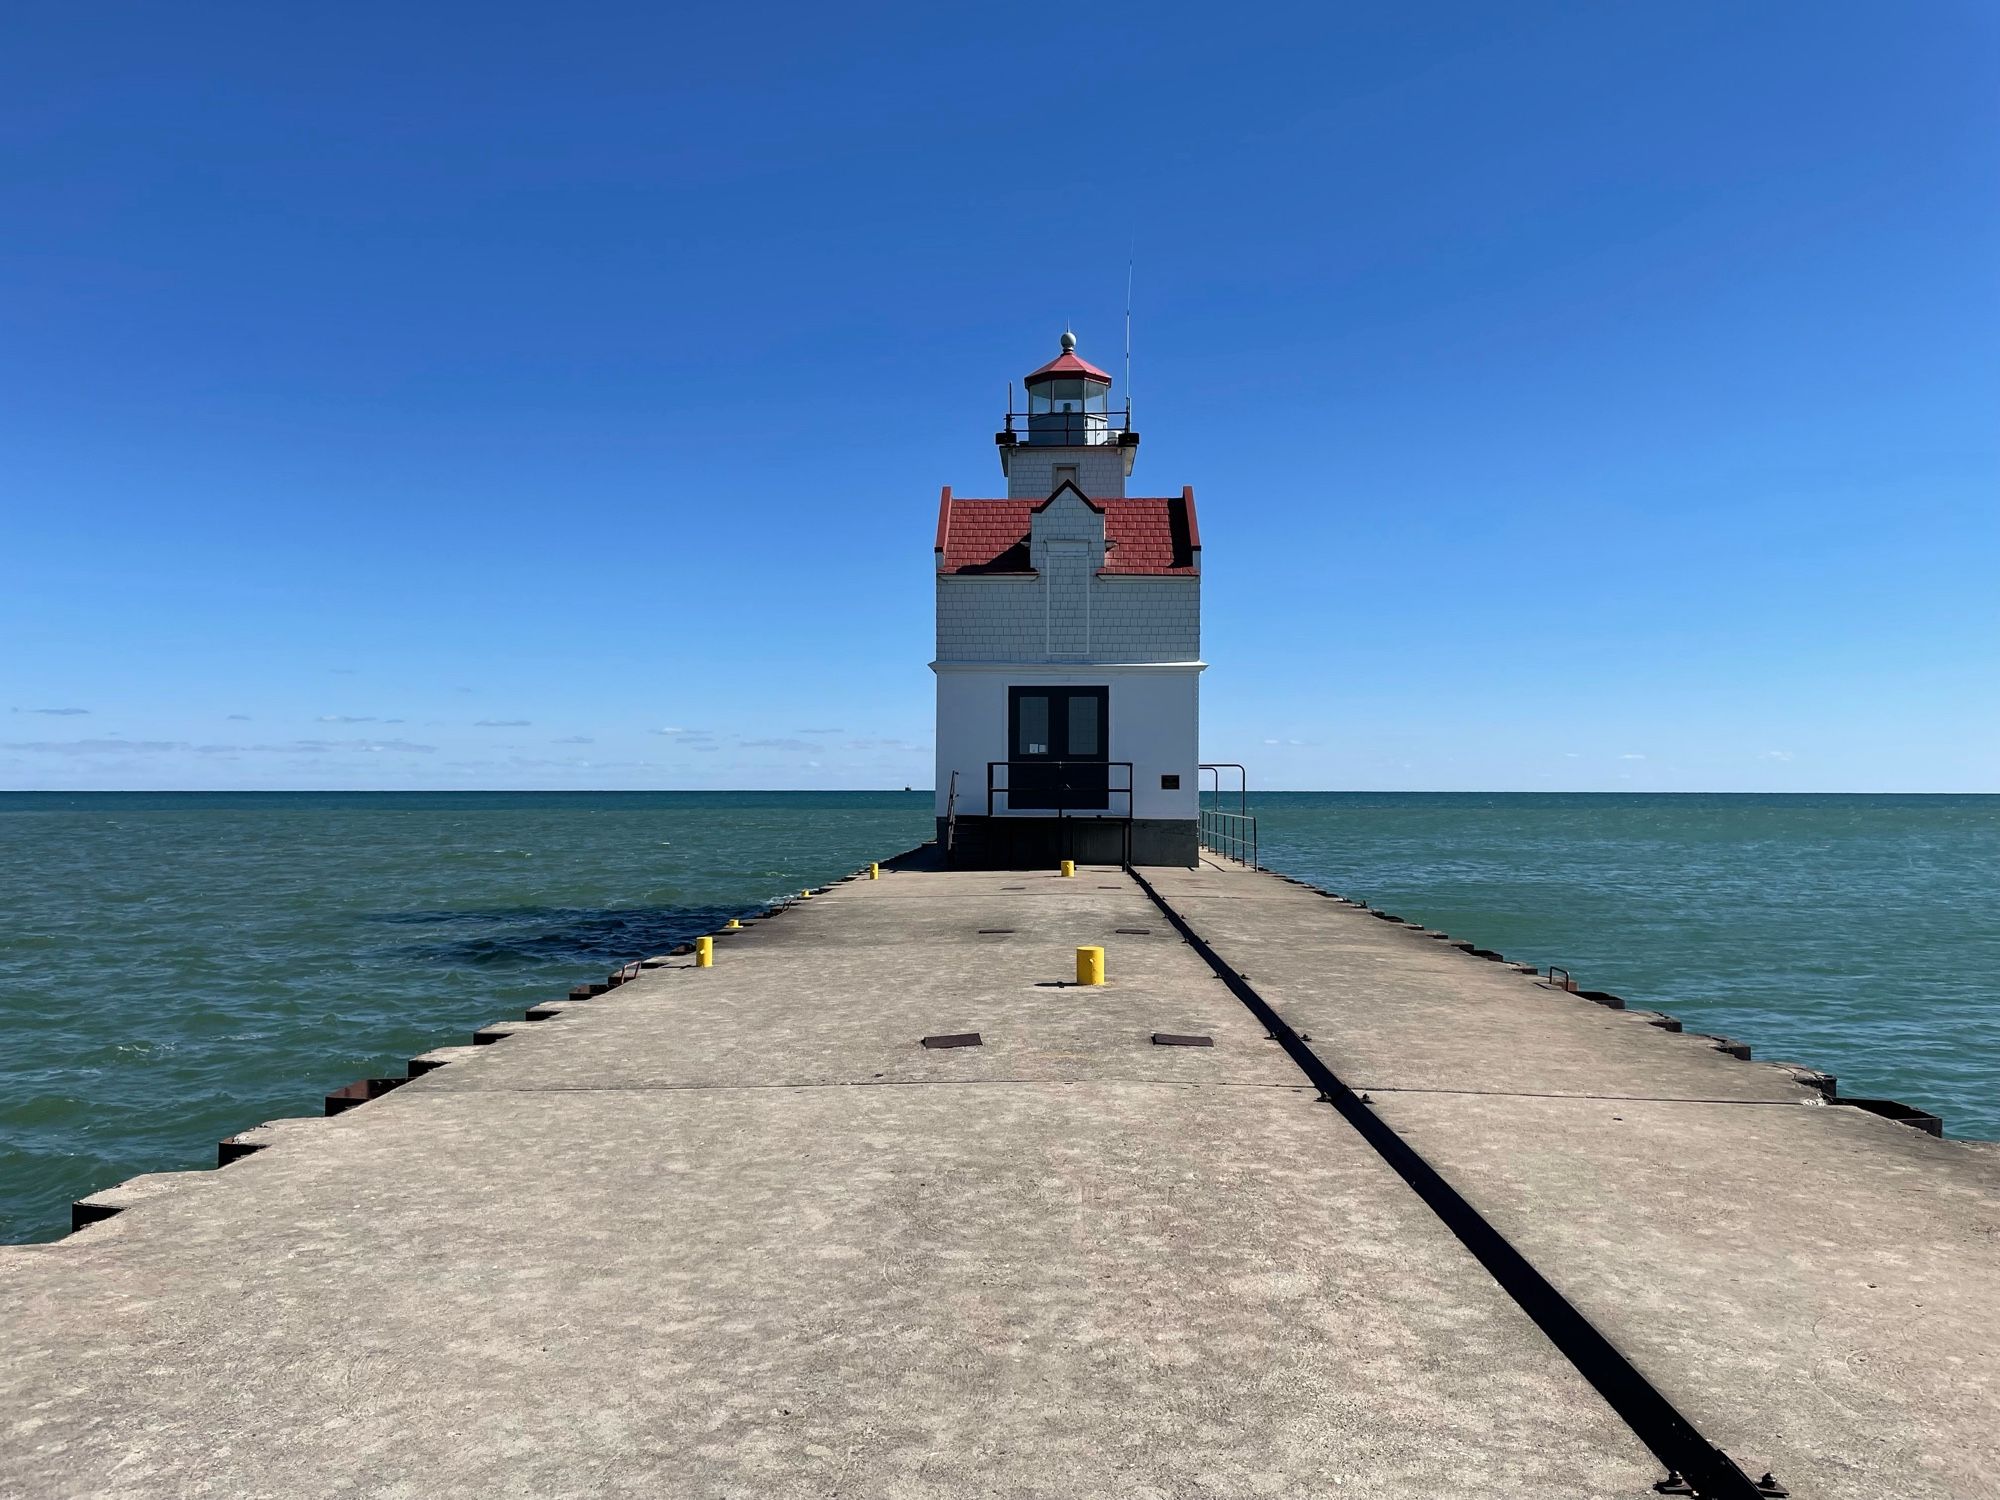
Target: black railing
[[1079, 429], [1068, 788]]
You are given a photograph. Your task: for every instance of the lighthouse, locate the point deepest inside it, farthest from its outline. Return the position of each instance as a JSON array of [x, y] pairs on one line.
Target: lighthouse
[[1068, 644]]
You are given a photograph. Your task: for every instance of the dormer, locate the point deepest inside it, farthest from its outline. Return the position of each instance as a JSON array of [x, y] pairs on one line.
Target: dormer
[[1068, 521]]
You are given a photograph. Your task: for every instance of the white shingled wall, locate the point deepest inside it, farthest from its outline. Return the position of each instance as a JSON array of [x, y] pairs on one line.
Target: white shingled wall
[[1100, 470], [1129, 619]]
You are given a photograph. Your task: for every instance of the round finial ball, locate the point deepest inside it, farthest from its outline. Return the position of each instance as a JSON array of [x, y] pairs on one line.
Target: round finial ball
[[1068, 342]]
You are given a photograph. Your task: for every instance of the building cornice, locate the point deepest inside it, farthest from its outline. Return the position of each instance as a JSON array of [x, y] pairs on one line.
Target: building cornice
[[1067, 668]]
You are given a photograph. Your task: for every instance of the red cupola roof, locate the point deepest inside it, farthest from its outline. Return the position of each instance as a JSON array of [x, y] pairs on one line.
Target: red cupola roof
[[1067, 366]]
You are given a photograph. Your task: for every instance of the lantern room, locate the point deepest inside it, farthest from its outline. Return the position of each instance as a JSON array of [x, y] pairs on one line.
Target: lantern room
[[1069, 401], [1071, 431]]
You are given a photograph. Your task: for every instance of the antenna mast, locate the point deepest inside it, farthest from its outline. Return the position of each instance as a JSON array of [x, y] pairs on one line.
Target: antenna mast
[[1128, 343]]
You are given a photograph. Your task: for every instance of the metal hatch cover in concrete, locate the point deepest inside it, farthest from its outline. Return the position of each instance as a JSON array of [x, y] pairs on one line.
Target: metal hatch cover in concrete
[[736, 1231]]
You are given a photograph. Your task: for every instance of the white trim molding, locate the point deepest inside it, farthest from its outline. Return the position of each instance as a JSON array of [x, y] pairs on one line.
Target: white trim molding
[[1066, 670]]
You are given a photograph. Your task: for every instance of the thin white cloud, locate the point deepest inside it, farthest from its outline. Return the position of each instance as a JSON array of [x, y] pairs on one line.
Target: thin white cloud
[[574, 739], [324, 747], [169, 747], [500, 723], [334, 747], [347, 718], [94, 747], [1631, 755], [1777, 755]]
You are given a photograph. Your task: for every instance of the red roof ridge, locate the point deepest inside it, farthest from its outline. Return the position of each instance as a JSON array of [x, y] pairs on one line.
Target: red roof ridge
[[1097, 501], [944, 521]]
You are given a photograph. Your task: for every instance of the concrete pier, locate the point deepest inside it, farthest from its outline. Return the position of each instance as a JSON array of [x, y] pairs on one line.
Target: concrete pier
[[738, 1231]]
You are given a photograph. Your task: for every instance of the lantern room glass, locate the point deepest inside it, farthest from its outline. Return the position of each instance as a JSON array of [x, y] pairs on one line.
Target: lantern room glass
[[1069, 412]]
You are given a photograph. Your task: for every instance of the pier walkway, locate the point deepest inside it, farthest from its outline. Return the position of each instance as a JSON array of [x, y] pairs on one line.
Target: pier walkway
[[738, 1232]]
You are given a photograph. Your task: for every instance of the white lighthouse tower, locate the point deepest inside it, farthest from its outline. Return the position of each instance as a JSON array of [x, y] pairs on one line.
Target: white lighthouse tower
[[1068, 645]]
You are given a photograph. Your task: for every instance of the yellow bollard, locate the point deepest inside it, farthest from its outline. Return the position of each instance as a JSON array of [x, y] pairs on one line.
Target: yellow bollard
[[874, 871], [1090, 966], [1068, 868], [805, 895], [732, 925], [704, 953]]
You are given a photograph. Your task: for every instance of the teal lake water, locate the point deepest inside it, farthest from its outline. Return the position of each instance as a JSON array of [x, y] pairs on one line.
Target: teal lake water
[[177, 967]]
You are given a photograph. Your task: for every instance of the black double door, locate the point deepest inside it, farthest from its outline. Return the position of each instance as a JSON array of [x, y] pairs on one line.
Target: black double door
[[1059, 742]]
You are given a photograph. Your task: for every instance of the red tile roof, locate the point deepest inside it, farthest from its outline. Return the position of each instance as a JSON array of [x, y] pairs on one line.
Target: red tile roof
[[1153, 536]]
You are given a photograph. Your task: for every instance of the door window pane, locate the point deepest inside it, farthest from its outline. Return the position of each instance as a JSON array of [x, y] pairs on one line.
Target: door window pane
[[1083, 737], [1033, 725]]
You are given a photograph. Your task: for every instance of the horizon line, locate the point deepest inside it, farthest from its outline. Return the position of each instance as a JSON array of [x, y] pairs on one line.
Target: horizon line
[[364, 791]]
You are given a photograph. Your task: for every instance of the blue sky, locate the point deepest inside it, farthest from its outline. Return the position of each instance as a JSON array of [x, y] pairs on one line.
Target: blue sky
[[1577, 396]]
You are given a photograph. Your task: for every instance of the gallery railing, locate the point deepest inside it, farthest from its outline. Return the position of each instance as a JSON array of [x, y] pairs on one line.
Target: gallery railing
[[1078, 429]]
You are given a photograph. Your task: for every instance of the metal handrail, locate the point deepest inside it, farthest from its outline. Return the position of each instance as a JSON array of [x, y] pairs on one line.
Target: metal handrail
[[1064, 809], [1233, 835], [1242, 783], [1112, 422], [1229, 833], [951, 815]]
